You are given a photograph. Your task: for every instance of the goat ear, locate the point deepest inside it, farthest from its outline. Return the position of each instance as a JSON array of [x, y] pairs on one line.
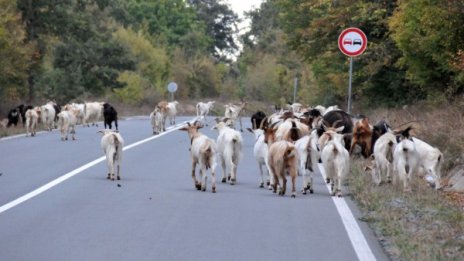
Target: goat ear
[[250, 130]]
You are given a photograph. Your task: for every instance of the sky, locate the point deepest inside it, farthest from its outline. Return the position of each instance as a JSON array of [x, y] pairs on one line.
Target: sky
[[239, 6]]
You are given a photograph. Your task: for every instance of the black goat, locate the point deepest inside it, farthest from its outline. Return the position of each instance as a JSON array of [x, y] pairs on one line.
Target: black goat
[[110, 115], [13, 117], [256, 119]]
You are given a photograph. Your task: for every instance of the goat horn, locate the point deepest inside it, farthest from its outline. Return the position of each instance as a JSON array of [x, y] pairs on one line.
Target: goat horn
[[262, 122]]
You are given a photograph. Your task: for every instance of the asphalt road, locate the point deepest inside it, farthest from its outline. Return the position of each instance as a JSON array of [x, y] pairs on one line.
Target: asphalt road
[[154, 212]]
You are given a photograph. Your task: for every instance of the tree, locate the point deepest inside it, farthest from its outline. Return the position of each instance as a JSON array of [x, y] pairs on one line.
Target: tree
[[431, 40], [14, 53], [221, 25]]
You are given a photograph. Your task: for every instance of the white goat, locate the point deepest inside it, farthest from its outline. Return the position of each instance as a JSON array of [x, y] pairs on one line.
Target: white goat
[[156, 119], [383, 157], [112, 144], [92, 113], [67, 121], [203, 152], [48, 116], [32, 118], [291, 130], [405, 159], [430, 160], [260, 151], [172, 112], [336, 161], [79, 107], [229, 146], [308, 157], [233, 113], [203, 110]]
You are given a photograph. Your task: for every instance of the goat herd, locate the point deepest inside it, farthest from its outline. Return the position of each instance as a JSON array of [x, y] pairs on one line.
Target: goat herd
[[293, 142], [289, 142]]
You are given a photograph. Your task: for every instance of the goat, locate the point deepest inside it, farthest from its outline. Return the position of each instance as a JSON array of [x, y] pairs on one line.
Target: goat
[[383, 157], [260, 151], [156, 119], [13, 117], [203, 152], [163, 109], [229, 146], [405, 158], [172, 112], [112, 144], [32, 118], [47, 115], [338, 118], [291, 130], [295, 107], [362, 136], [109, 115], [308, 157], [203, 110], [22, 112], [281, 158], [430, 160], [92, 113], [233, 113], [78, 108], [67, 121], [336, 161], [257, 118]]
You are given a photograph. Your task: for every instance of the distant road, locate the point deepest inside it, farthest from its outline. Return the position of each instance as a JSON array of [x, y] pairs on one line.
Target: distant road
[[56, 204]]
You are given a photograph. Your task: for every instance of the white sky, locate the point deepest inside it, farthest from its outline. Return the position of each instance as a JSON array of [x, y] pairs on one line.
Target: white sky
[[239, 6]]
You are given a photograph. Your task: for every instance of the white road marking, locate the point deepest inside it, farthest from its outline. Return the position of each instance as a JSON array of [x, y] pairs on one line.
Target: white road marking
[[69, 175], [360, 245]]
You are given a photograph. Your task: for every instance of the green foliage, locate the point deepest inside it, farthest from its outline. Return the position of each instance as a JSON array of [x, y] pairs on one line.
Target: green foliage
[[167, 20], [152, 67], [430, 37], [14, 55], [221, 25]]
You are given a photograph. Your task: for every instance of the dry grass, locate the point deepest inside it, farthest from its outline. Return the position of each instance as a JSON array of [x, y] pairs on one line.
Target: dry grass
[[424, 224]]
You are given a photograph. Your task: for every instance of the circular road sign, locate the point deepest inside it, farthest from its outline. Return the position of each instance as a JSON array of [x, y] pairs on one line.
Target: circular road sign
[[352, 41], [172, 87]]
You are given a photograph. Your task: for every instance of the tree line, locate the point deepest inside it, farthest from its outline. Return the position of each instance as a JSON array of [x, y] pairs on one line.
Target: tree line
[[128, 50]]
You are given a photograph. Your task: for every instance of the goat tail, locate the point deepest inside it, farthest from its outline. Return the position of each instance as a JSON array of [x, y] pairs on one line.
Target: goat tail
[[290, 152], [207, 156], [390, 152]]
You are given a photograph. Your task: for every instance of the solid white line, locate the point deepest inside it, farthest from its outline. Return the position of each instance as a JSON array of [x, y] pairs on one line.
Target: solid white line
[[68, 175], [360, 245]]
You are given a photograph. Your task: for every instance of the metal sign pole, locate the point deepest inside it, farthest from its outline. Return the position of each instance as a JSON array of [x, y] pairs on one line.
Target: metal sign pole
[[349, 86], [295, 86]]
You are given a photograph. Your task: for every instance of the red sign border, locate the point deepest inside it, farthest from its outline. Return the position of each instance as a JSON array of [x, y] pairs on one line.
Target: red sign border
[[348, 30]]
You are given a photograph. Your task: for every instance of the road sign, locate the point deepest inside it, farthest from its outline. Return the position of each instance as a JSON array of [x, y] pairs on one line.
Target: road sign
[[172, 87], [352, 42]]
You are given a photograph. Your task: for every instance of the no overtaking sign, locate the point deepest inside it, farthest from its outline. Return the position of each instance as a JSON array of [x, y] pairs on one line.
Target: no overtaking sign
[[352, 42]]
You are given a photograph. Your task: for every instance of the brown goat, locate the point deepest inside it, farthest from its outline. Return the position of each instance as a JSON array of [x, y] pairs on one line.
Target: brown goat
[[362, 136], [282, 159]]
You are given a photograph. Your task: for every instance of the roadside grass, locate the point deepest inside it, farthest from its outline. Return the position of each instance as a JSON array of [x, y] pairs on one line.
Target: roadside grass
[[423, 224], [419, 225]]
